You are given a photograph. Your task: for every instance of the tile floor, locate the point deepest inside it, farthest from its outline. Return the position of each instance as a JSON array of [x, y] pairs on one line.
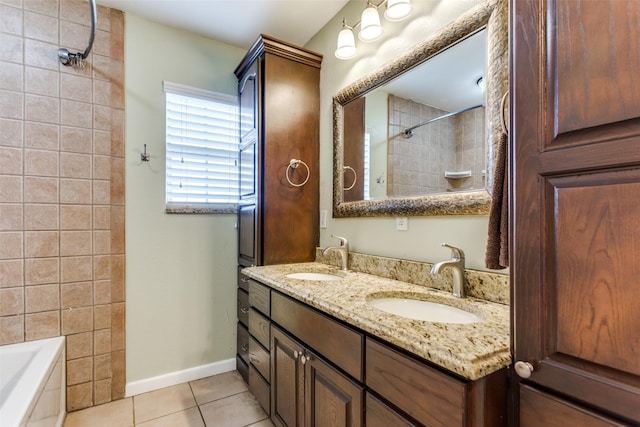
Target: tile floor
[[221, 400]]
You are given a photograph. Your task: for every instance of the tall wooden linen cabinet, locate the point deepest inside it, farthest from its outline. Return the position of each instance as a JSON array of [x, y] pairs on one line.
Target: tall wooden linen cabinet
[[278, 213], [575, 270]]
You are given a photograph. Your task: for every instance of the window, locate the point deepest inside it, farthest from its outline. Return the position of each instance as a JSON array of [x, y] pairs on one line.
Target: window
[[201, 150]]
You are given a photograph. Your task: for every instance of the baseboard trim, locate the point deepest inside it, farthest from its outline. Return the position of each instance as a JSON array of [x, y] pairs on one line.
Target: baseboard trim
[[172, 378]]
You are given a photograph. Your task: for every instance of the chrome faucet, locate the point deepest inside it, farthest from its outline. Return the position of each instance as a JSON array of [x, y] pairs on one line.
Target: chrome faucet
[[343, 249], [457, 269]]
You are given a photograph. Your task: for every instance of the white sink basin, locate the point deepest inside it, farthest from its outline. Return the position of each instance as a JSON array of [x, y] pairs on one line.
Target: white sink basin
[[424, 310], [313, 276]]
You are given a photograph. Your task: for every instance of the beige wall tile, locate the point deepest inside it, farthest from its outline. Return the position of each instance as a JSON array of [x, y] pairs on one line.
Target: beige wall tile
[[73, 165], [41, 27], [11, 217], [117, 278], [11, 329], [117, 229], [75, 140], [42, 325], [39, 108], [117, 132], [11, 75], [12, 133], [102, 341], [117, 35], [102, 317], [101, 167], [102, 267], [11, 47], [79, 396], [12, 273], [41, 54], [103, 43], [39, 81], [79, 370], [73, 34], [75, 217], [75, 295], [11, 104], [73, 243], [79, 345], [41, 190], [11, 301], [118, 369], [77, 114], [44, 136], [42, 298], [47, 7], [102, 391], [101, 217], [41, 217], [10, 188], [75, 191], [104, 18], [75, 87], [75, 320], [11, 20], [41, 271], [41, 162], [102, 292], [117, 96], [11, 245], [102, 243], [102, 92], [11, 160], [118, 326], [102, 367], [101, 67], [76, 269], [101, 192], [102, 142], [41, 244], [101, 117]]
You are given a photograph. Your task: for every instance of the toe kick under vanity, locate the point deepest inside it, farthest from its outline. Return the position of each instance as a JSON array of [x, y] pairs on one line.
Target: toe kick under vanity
[[316, 353]]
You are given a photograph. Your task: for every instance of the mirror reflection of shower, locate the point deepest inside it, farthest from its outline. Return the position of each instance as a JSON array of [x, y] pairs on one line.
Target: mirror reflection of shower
[[77, 59]]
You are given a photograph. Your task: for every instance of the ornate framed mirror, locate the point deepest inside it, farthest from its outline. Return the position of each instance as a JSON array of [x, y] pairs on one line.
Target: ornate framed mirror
[[404, 172]]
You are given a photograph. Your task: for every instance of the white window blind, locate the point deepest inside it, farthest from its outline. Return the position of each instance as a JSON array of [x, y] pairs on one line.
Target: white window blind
[[201, 150]]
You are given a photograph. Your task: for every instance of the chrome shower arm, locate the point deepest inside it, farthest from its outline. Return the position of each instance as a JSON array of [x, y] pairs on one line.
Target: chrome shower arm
[[77, 59]]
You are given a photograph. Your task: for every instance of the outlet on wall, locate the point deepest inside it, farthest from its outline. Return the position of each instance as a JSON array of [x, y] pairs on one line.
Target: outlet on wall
[[323, 218], [402, 223]]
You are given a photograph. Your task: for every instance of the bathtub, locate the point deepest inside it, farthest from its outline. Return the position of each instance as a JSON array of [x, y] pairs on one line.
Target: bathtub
[[32, 383]]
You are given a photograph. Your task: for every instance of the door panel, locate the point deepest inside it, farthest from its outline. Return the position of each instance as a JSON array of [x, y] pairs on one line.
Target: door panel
[[287, 377]]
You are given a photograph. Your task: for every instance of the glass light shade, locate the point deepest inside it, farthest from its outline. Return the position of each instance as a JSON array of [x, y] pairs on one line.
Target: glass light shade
[[370, 28], [397, 10], [346, 44]]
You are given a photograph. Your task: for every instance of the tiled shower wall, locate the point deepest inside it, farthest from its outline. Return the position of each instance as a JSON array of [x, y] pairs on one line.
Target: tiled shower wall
[[62, 190], [416, 165]]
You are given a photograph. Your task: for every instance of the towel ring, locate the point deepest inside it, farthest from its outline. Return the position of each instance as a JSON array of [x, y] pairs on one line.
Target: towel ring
[[293, 164], [355, 177], [503, 120]]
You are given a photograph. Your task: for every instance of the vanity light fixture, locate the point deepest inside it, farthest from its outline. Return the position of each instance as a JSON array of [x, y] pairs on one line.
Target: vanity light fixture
[[370, 27]]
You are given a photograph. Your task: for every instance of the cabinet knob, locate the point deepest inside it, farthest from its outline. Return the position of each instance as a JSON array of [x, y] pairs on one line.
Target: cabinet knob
[[295, 354], [244, 310], [303, 359], [523, 369], [244, 348]]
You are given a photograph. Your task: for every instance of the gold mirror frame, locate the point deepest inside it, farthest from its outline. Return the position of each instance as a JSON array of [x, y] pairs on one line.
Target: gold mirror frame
[[492, 14]]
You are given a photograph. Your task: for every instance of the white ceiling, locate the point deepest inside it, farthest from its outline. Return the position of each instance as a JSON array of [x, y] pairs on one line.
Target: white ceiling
[[237, 22]]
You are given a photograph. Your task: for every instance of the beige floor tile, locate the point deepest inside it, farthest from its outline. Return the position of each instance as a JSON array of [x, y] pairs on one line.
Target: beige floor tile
[[218, 386], [238, 410], [263, 423], [188, 418], [114, 414], [159, 403]]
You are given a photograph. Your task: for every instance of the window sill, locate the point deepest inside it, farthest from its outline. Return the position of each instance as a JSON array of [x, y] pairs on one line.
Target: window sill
[[198, 210]]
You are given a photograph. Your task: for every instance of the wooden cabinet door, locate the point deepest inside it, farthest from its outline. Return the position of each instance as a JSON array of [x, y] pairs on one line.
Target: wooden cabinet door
[[575, 187], [248, 94], [287, 381], [331, 399]]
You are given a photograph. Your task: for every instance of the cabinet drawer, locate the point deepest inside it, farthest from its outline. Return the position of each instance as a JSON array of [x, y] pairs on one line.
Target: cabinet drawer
[[431, 397], [260, 389], [243, 342], [242, 368], [342, 345], [243, 307], [379, 414], [243, 280], [538, 409], [260, 297], [259, 358], [259, 327]]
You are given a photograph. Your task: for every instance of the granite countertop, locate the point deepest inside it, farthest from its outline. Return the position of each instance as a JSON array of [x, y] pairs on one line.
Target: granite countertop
[[469, 350]]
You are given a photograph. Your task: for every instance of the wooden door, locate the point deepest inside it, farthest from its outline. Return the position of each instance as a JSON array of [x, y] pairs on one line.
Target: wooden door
[[287, 380], [575, 153], [331, 399]]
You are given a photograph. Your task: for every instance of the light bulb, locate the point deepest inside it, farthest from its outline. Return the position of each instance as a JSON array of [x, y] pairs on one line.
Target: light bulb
[[397, 10]]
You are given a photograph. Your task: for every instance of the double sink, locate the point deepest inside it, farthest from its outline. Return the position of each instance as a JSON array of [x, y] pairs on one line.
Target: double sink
[[423, 308]]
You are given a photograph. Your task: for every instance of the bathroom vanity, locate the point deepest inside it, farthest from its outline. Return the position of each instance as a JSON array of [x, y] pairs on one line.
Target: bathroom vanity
[[320, 354]]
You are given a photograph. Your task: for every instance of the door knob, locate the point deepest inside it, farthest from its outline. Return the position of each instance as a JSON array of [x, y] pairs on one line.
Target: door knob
[[523, 369]]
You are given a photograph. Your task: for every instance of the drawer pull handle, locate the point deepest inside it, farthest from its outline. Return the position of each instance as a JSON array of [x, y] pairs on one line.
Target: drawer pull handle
[[523, 369], [244, 280], [244, 310], [244, 348]]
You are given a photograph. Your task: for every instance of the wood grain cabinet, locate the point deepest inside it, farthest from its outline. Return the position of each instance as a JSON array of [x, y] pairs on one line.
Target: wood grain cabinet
[[575, 142], [279, 91]]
